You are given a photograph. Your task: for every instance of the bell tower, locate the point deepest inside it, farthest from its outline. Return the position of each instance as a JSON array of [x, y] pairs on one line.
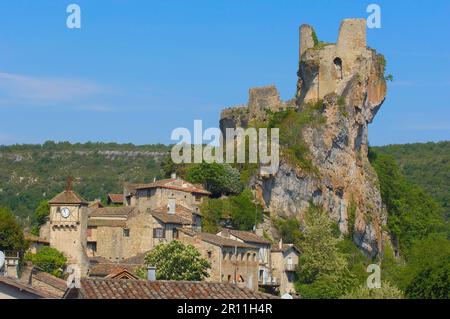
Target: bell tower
[[68, 225]]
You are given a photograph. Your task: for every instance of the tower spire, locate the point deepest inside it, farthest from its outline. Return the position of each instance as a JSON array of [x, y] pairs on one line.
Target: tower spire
[[69, 183]]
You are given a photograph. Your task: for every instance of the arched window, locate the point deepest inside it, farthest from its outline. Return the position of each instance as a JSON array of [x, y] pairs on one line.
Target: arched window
[[338, 66]]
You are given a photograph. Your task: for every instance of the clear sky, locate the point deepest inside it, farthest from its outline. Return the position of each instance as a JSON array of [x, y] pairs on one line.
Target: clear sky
[[138, 69]]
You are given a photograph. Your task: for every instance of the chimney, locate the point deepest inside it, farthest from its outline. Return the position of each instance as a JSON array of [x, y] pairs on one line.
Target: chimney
[[12, 266], [171, 206], [280, 243], [173, 175], [151, 273]]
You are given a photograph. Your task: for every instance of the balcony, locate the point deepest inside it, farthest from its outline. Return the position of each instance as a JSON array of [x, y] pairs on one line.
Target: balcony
[[290, 267], [268, 282]]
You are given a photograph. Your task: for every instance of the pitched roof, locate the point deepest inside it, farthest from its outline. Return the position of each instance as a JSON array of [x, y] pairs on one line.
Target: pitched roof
[[246, 236], [216, 240], [122, 274], [116, 198], [111, 211], [179, 209], [68, 197], [223, 242], [35, 239], [107, 222], [162, 289], [23, 287], [130, 188], [176, 184], [48, 279], [170, 218], [284, 248], [105, 269], [95, 204]]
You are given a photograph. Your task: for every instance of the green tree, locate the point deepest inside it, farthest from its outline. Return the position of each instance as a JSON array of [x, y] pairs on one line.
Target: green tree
[[288, 229], [412, 214], [212, 213], [49, 260], [241, 209], [244, 211], [322, 270], [386, 291], [11, 233], [40, 216], [426, 275], [219, 179], [177, 261]]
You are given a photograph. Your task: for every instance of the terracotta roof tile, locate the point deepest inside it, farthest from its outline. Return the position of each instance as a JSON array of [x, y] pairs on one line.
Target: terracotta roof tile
[[68, 197], [116, 198], [21, 286], [216, 240], [176, 184], [179, 209], [106, 222], [53, 281], [96, 288], [170, 218], [246, 236], [112, 211], [105, 269], [35, 239]]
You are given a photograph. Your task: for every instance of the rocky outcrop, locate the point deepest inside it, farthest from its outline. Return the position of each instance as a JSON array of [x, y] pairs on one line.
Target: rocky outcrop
[[349, 78]]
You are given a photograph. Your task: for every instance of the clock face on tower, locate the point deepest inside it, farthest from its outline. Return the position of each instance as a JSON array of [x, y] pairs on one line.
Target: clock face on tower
[[65, 212]]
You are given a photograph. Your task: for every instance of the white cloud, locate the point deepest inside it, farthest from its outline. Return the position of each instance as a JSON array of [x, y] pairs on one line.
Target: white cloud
[[21, 89]]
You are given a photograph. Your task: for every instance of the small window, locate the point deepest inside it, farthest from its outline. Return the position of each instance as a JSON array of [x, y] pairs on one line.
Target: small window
[[338, 65], [209, 254], [92, 245], [126, 232], [175, 233], [158, 233]]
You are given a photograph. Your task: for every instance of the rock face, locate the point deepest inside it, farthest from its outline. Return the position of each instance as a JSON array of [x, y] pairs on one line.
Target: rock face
[[349, 78]]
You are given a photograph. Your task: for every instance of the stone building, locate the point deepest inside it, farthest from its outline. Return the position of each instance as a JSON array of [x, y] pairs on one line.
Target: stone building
[[232, 261], [284, 258], [67, 227], [151, 214], [265, 278], [116, 238]]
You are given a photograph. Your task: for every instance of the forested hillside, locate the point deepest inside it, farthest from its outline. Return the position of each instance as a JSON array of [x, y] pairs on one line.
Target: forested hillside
[[425, 164], [31, 173]]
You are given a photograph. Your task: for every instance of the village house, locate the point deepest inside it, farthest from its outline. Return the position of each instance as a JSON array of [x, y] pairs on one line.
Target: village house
[[152, 214], [114, 199], [265, 278], [284, 264], [232, 261], [104, 240]]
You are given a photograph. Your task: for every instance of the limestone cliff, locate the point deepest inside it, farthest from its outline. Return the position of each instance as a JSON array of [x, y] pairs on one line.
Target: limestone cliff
[[349, 79]]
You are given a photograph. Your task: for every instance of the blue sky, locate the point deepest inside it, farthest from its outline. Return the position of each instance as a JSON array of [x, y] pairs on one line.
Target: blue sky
[[138, 69]]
